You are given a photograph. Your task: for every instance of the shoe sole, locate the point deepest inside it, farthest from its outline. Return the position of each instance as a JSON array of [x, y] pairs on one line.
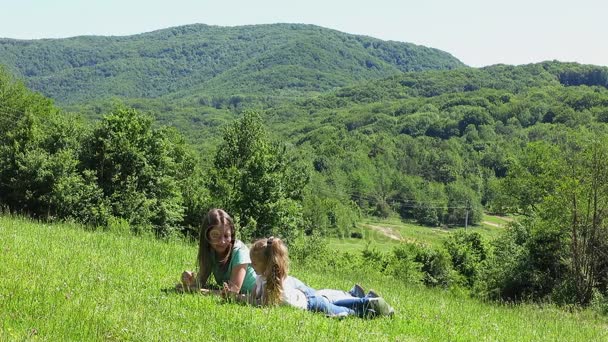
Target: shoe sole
[[380, 307]]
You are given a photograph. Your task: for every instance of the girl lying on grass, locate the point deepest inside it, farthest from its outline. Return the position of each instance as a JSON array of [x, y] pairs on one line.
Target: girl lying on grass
[[221, 254], [273, 286]]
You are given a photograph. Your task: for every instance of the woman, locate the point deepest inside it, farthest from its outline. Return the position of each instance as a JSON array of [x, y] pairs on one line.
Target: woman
[[221, 254]]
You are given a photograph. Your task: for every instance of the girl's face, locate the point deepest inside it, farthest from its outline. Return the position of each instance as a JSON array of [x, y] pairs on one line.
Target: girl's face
[[257, 265], [219, 239]]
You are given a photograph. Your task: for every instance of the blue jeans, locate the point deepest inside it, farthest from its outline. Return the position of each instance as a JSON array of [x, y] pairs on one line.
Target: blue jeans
[[345, 306], [318, 303], [359, 306]]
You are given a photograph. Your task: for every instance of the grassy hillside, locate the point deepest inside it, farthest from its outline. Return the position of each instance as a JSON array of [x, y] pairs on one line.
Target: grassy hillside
[[204, 62], [60, 282]]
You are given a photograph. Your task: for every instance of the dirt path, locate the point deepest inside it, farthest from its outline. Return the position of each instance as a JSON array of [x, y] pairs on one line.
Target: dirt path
[[493, 224], [386, 231]]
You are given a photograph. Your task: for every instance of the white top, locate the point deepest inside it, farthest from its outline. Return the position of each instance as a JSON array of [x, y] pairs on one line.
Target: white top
[[291, 294]]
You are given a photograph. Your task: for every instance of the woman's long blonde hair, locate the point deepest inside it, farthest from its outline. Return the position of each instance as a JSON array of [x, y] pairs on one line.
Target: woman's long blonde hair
[[214, 218], [272, 255]]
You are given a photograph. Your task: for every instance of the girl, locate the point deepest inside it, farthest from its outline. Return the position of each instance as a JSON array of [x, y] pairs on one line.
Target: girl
[[273, 286], [221, 254]]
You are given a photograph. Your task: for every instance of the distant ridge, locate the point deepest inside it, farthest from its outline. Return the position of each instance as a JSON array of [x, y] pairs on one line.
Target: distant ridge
[[274, 60]]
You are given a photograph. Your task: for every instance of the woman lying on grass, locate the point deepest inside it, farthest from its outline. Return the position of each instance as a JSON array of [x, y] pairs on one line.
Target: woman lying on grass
[[273, 286], [221, 254]]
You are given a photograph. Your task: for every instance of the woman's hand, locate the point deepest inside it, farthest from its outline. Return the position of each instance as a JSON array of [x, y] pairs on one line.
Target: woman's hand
[[188, 279], [229, 292]]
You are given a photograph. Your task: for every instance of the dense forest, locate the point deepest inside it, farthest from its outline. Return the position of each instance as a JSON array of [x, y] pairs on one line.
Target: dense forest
[[436, 147]]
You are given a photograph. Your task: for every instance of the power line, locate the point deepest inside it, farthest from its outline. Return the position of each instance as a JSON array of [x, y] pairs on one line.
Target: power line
[[416, 204]]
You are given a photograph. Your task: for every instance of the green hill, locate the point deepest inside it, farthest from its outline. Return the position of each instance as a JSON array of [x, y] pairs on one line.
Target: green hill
[[200, 60]]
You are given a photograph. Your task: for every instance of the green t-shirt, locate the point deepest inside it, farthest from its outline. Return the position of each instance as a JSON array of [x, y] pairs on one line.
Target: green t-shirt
[[240, 255]]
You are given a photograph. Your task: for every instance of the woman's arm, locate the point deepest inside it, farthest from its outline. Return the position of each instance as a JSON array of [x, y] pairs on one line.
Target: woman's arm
[[190, 283], [249, 298], [232, 287], [237, 277]]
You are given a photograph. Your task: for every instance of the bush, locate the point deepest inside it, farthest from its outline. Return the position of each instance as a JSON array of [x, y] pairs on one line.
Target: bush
[[505, 274], [436, 266], [375, 258], [599, 302], [467, 251], [308, 249], [402, 265]]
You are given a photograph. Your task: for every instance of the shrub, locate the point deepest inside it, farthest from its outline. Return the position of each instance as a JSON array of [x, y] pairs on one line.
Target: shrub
[[435, 265], [467, 251], [308, 249], [505, 274], [402, 265]]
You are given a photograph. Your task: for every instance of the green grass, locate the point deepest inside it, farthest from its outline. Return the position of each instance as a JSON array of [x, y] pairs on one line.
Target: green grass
[[59, 282]]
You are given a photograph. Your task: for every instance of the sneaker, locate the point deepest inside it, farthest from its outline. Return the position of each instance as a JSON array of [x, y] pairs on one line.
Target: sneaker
[[339, 316], [372, 294], [357, 291], [380, 307]]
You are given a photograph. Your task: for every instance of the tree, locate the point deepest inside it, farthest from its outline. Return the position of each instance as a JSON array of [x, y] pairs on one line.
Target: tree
[[463, 205], [564, 190], [258, 180], [139, 169], [39, 149], [579, 208], [531, 177], [430, 205]]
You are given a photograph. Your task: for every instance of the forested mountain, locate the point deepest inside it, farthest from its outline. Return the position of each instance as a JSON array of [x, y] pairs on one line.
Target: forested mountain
[[204, 62]]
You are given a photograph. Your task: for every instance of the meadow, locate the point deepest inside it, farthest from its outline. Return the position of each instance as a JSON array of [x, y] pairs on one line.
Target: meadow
[[384, 234], [63, 282]]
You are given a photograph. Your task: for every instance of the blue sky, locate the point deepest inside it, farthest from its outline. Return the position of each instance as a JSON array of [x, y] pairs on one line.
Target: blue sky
[[478, 32]]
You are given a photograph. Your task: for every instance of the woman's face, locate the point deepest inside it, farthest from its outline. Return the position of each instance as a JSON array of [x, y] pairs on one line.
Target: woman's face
[[219, 239]]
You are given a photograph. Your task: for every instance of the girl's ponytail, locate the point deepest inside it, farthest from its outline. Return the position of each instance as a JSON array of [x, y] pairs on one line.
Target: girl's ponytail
[[276, 267]]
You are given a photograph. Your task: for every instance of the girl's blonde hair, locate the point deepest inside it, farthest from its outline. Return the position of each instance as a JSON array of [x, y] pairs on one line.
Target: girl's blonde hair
[[214, 218], [274, 259]]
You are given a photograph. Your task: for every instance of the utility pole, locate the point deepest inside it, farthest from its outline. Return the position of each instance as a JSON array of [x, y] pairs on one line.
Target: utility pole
[[466, 218]]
